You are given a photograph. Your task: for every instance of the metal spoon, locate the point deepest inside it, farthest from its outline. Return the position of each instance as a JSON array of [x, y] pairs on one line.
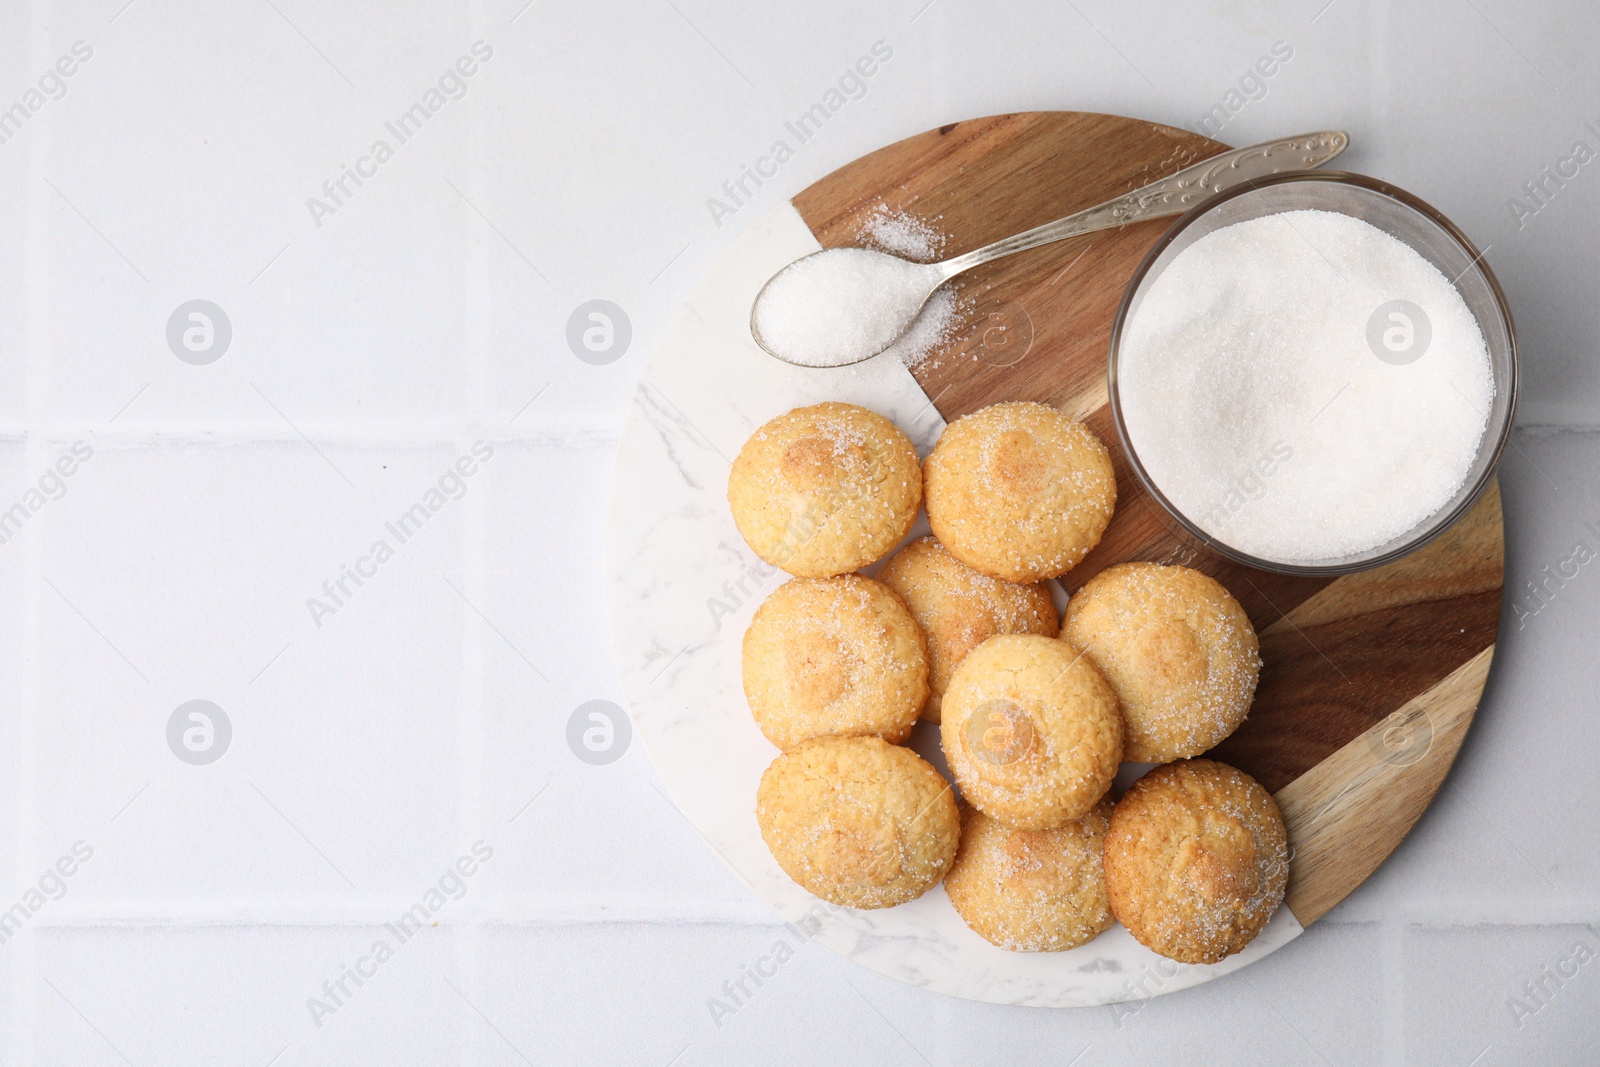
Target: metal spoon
[[1171, 195]]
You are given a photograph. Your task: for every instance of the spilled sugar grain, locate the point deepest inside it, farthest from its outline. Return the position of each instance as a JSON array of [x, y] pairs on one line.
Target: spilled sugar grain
[[932, 331], [902, 234]]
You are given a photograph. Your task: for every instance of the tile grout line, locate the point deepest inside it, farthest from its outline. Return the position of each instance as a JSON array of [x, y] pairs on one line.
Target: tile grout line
[[375, 438], [592, 913], [377, 910], [411, 434], [478, 314], [324, 914], [25, 972], [1392, 963]]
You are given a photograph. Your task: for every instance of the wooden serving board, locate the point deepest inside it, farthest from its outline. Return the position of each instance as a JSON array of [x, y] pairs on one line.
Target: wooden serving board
[[1369, 681]]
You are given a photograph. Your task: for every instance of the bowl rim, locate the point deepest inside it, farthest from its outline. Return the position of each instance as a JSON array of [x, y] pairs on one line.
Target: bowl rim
[[1438, 523]]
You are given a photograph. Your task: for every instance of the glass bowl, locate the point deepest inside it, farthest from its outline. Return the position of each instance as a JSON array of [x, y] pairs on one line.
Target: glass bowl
[[1402, 216]]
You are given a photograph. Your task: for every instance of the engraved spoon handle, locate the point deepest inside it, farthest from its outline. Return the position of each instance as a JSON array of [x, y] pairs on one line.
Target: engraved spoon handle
[[1171, 195]]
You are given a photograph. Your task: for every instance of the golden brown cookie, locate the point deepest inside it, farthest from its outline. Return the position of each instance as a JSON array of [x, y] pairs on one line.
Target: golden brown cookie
[[1197, 858], [823, 490], [834, 656], [1032, 890], [1177, 648], [857, 821], [1031, 731], [959, 608], [1019, 491]]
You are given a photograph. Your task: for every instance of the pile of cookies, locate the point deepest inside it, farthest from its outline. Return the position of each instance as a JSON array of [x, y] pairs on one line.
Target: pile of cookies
[[1152, 664]]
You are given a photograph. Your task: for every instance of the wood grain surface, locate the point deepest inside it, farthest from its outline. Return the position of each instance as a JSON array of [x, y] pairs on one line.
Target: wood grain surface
[[1369, 681]]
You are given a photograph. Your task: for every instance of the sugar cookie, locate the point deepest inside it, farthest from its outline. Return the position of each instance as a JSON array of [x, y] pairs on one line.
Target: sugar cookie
[[1019, 491], [857, 821], [823, 490], [1196, 861], [1177, 648], [1032, 890], [834, 656], [1031, 731]]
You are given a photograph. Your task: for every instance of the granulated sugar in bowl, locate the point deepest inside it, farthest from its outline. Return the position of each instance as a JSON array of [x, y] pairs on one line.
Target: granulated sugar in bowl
[[1303, 387]]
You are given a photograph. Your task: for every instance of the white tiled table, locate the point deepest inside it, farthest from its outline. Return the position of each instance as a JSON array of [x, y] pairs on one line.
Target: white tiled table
[[429, 710]]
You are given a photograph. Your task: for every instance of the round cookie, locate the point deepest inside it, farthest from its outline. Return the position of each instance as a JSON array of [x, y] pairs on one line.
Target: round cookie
[[823, 490], [827, 656], [1177, 648], [1019, 491], [1031, 731], [959, 608], [857, 821], [1196, 860], [1032, 890]]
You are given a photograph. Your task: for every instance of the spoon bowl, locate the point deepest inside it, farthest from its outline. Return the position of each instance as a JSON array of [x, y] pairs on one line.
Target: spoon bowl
[[841, 306]]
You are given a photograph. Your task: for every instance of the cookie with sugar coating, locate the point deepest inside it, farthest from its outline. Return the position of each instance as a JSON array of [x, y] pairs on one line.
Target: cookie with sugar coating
[[825, 489], [1177, 648], [1032, 890], [827, 656], [1019, 491], [959, 608], [1196, 859], [1031, 731], [857, 821]]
